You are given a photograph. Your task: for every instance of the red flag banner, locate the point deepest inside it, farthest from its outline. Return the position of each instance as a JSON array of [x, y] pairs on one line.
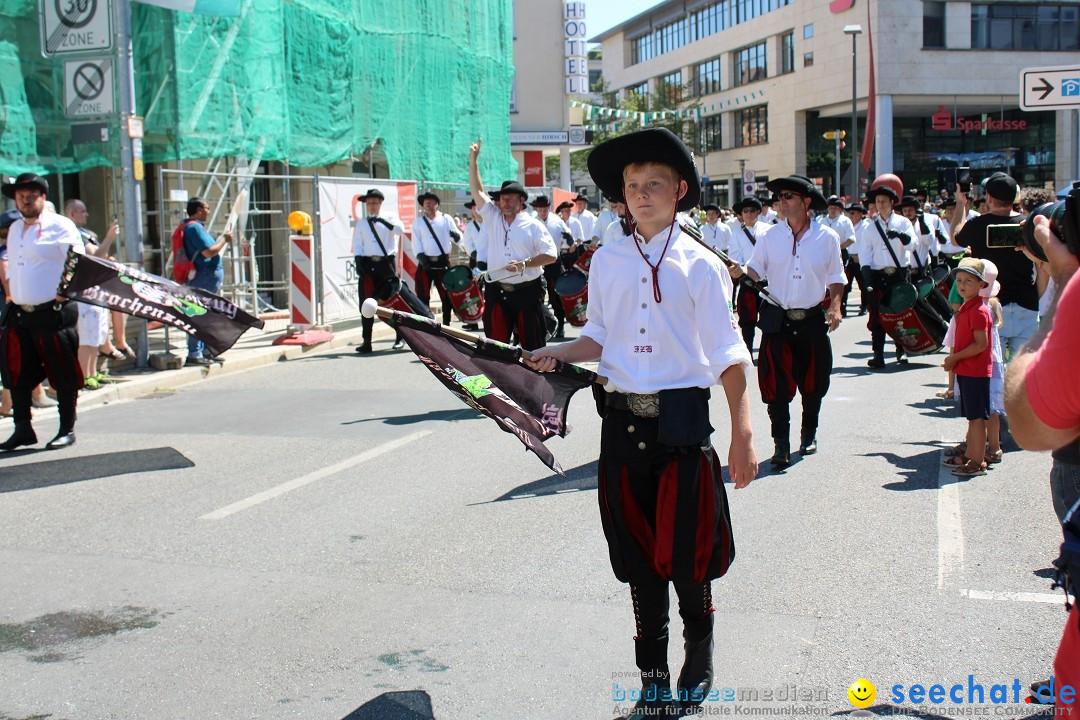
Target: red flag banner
[[871, 101], [487, 377]]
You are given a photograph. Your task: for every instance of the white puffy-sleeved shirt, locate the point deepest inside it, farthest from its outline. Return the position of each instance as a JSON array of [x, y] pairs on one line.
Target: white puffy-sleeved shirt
[[577, 229], [473, 233], [926, 245], [741, 248], [688, 339], [556, 227], [423, 240], [587, 220], [36, 256], [364, 243], [800, 272], [877, 254], [603, 220], [613, 232], [717, 235], [860, 240], [524, 238], [841, 225]]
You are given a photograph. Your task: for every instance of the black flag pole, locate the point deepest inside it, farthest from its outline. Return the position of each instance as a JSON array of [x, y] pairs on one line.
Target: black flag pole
[[371, 308]]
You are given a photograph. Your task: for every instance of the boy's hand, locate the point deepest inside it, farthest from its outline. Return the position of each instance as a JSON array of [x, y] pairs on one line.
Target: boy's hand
[[949, 363]]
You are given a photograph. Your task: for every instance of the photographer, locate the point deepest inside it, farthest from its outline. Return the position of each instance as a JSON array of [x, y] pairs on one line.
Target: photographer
[[1019, 294], [1042, 397]]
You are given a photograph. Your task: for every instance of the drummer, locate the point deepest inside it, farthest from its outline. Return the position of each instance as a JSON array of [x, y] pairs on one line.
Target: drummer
[[860, 222], [885, 262], [518, 247], [716, 234], [375, 250], [560, 233], [926, 247], [617, 228], [433, 235], [800, 259], [577, 231], [741, 249]]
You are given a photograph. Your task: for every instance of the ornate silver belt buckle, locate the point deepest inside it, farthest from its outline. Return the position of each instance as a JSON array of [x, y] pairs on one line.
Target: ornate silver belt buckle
[[889, 271], [646, 406], [27, 308], [797, 314]]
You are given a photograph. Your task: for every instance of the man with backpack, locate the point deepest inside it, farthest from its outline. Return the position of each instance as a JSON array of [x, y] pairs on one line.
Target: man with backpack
[[202, 261]]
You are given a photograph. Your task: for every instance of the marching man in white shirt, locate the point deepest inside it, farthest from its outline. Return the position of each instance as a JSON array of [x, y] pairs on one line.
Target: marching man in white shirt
[[375, 249], [653, 324], [433, 232], [800, 259], [518, 247], [38, 328], [560, 233], [885, 262], [584, 216], [741, 249], [715, 233], [857, 215]]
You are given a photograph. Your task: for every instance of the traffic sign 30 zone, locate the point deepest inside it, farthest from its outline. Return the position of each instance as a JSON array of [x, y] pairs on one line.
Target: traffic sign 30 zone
[[72, 26], [1050, 88]]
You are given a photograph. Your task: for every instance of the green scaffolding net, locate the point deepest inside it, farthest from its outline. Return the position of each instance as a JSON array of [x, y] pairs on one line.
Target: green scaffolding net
[[307, 81]]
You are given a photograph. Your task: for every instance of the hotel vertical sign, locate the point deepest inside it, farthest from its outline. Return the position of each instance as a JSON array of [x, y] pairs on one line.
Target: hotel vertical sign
[[575, 55]]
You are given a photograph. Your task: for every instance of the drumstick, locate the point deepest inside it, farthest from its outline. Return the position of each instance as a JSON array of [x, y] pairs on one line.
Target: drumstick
[[498, 269], [371, 308], [744, 279]]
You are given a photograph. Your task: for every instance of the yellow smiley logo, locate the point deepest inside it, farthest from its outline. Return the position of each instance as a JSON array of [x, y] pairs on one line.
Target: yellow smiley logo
[[862, 693]]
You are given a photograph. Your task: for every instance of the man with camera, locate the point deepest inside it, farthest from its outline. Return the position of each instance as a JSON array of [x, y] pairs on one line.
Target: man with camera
[[1019, 295]]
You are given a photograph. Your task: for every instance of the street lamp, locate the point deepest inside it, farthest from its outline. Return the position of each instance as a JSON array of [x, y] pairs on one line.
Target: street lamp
[[854, 31]]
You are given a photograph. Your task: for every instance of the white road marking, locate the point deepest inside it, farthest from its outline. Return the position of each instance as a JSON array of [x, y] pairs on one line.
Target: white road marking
[[950, 530], [313, 476], [1052, 598]]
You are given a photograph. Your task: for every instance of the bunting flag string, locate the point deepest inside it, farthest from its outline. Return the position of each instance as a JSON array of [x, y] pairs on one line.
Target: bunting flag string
[[598, 112]]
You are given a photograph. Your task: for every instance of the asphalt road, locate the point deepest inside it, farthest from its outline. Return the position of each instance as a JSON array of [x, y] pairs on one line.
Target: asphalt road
[[339, 537]]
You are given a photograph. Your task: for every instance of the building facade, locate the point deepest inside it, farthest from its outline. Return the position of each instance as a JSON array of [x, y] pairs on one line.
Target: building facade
[[770, 77]]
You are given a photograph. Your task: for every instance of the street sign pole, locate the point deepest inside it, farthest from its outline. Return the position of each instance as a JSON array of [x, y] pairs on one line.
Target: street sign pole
[[130, 190]]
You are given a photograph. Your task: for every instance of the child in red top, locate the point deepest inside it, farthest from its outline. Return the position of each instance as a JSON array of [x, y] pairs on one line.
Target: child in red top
[[972, 363]]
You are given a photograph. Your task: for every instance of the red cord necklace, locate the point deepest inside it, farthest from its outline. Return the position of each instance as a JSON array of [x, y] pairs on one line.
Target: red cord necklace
[[655, 269]]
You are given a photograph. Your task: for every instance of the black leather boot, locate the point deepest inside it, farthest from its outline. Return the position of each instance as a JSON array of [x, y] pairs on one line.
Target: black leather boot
[[23, 435], [696, 677], [655, 702], [64, 438], [782, 455]]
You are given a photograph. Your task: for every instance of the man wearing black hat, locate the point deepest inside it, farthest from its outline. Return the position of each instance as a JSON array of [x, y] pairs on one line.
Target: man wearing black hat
[[715, 233], [38, 337], [845, 230], [518, 247], [584, 216], [924, 250], [577, 231], [801, 260], [605, 218], [741, 250], [1019, 296], [473, 237], [660, 323], [375, 249], [859, 221], [433, 233], [560, 233], [885, 262]]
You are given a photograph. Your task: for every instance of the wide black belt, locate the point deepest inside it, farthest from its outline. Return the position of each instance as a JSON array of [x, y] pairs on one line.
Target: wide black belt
[[512, 287], [643, 405], [50, 305], [803, 314]]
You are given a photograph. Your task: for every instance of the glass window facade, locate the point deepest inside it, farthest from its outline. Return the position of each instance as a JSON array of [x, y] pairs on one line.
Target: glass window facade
[[749, 65], [752, 126], [933, 24], [787, 53], [707, 77], [669, 88], [711, 137], [698, 25], [1025, 27]]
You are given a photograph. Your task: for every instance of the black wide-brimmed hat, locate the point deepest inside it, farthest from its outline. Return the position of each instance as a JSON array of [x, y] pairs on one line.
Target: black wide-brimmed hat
[[885, 190], [373, 193], [581, 198], [834, 201], [746, 202], [803, 186], [470, 204], [857, 207], [512, 187], [541, 201], [910, 201], [714, 208], [26, 180], [565, 205], [608, 160], [428, 196]]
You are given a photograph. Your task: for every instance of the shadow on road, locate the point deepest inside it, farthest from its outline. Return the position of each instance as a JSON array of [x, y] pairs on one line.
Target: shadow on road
[[30, 476], [891, 367], [464, 413], [401, 705], [583, 477], [920, 472], [935, 407]]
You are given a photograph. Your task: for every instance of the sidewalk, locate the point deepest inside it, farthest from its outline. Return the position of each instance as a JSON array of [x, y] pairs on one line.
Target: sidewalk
[[254, 349]]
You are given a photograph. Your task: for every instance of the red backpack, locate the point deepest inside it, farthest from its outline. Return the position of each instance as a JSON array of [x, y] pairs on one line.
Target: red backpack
[[182, 266]]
